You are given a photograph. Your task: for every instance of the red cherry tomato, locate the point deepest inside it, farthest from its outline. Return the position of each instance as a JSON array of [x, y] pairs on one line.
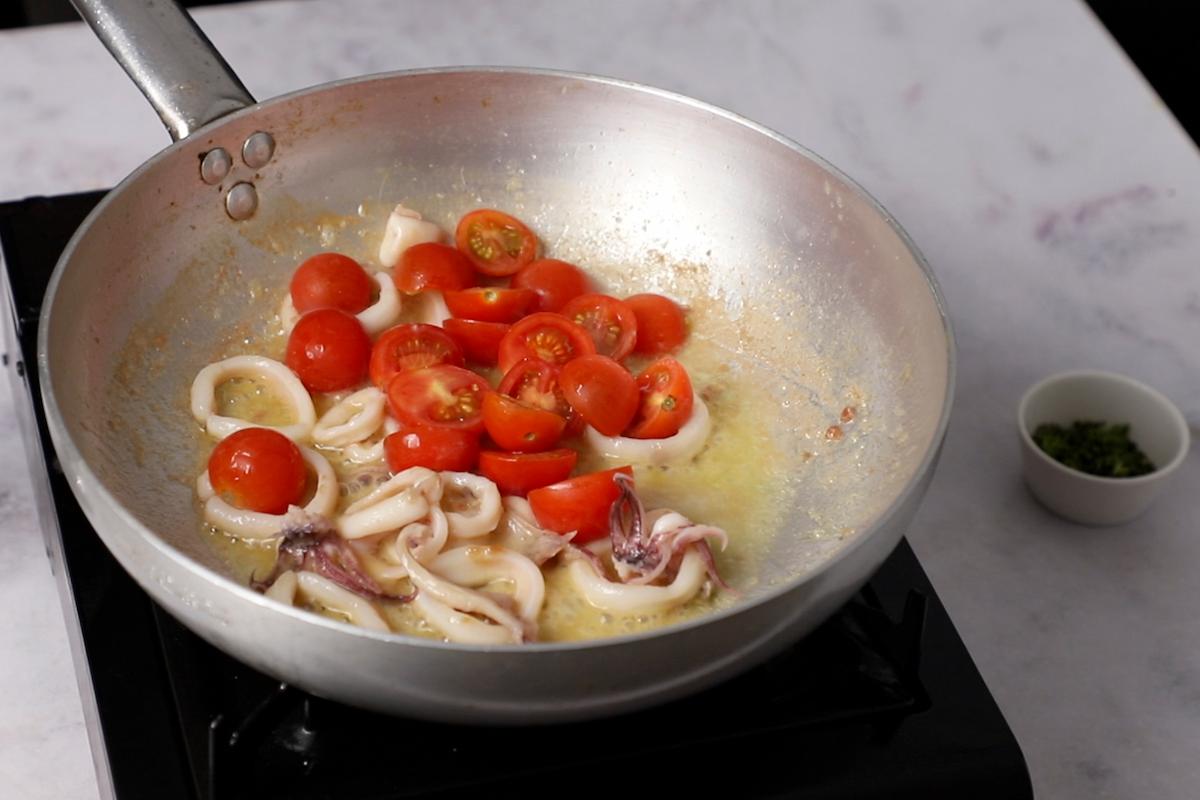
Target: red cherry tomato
[[601, 391], [258, 469], [661, 327], [666, 400], [439, 396], [328, 350], [331, 280], [480, 341], [431, 447], [433, 266], [496, 243], [555, 282], [611, 324], [549, 337], [490, 303], [412, 346], [534, 382], [580, 504], [520, 473], [518, 426]]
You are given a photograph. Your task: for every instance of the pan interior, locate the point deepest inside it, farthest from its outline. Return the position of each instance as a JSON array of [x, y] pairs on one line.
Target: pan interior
[[651, 192]]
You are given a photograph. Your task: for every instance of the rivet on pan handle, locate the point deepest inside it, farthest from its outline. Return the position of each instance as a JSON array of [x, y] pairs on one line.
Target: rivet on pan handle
[[169, 58]]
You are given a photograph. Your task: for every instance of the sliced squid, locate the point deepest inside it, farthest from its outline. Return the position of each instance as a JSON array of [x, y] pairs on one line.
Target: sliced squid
[[370, 453], [375, 318], [258, 525], [404, 229], [354, 419], [403, 499], [456, 597], [471, 503], [474, 566], [622, 598], [672, 450], [312, 588], [518, 530], [265, 370], [430, 307], [459, 627]]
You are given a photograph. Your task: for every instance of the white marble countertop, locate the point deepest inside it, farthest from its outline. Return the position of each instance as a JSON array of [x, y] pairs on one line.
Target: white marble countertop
[[1054, 196]]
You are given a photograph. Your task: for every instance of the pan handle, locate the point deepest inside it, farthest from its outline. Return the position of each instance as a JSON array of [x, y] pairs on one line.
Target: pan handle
[[169, 58]]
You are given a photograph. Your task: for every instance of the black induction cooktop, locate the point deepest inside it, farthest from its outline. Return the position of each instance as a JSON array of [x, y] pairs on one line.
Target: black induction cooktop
[[881, 701]]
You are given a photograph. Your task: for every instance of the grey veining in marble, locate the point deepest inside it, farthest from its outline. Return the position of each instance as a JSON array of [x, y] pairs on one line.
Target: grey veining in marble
[[1054, 197]]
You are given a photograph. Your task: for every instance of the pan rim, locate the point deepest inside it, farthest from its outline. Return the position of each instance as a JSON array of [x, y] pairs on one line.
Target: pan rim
[[73, 460]]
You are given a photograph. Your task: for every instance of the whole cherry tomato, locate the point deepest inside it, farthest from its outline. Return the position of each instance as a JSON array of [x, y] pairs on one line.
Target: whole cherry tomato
[[258, 469], [496, 243], [331, 280], [601, 391], [328, 350], [579, 504]]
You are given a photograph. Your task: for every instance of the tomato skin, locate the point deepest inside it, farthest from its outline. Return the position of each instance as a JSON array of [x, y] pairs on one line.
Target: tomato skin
[[610, 323], [518, 426], [555, 282], [328, 350], [601, 391], [490, 303], [496, 243], [550, 337], [521, 473], [430, 265], [534, 382], [439, 396], [258, 469], [666, 400], [661, 327], [479, 341], [411, 346], [579, 504], [331, 280], [435, 448]]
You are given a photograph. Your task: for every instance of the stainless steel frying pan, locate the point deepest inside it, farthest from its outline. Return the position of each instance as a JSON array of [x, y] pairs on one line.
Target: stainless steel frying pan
[[163, 272]]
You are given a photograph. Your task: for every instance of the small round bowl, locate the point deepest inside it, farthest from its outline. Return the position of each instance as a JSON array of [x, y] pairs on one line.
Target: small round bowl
[[1155, 424]]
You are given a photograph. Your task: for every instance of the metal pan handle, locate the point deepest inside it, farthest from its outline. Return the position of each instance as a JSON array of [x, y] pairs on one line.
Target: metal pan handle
[[169, 58]]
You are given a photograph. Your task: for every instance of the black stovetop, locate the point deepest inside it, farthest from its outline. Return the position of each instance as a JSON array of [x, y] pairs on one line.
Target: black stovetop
[[881, 701]]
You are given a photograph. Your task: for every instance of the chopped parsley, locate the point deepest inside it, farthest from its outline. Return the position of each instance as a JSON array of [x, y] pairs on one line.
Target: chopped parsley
[[1096, 448]]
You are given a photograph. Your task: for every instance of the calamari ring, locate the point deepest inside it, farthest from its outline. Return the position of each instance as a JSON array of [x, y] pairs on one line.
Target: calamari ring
[[204, 396], [363, 453], [483, 513], [315, 588], [400, 500], [474, 566], [353, 419], [457, 626], [405, 228], [672, 450], [621, 598], [257, 525]]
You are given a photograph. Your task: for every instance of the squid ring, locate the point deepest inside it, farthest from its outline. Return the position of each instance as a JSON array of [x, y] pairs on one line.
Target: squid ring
[[474, 566], [363, 453], [621, 598], [257, 525], [315, 588], [402, 499], [204, 396], [481, 513], [404, 229], [672, 450], [354, 419]]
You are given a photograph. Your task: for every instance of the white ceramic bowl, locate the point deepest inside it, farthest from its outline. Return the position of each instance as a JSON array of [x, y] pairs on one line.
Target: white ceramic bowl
[[1156, 425]]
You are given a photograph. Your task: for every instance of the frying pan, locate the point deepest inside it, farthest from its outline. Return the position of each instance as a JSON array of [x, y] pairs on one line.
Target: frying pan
[[165, 272]]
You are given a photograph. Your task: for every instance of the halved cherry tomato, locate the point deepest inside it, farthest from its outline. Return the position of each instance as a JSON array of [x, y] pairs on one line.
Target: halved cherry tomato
[[490, 303], [331, 280], [535, 382], [258, 469], [555, 282], [601, 391], [496, 243], [520, 473], [411, 346], [551, 337], [328, 350], [661, 327], [433, 266], [439, 396], [431, 447], [480, 341], [666, 400], [580, 504], [611, 324], [519, 426]]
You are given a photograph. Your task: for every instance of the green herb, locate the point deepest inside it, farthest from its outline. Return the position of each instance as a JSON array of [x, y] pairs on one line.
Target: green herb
[[1096, 448]]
